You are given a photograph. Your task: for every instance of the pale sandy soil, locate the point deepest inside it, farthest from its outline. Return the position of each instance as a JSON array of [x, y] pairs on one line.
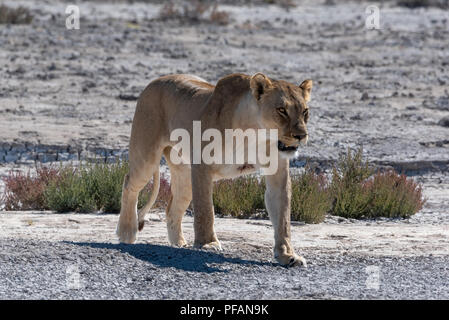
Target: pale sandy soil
[[371, 239]]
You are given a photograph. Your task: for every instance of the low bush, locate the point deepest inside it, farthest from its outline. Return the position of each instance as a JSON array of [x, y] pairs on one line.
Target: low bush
[[24, 191], [350, 198], [104, 183], [311, 198], [71, 191], [357, 193], [393, 195], [97, 187], [354, 191], [94, 186], [241, 197]]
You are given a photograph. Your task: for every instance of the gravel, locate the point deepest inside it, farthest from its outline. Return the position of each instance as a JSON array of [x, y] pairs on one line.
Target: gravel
[[444, 122], [33, 269]]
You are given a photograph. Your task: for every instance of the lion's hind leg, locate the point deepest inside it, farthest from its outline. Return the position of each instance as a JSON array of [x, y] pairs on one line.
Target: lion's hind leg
[[138, 176]]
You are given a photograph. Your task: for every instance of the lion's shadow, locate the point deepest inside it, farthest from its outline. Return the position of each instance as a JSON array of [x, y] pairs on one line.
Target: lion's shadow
[[186, 259]]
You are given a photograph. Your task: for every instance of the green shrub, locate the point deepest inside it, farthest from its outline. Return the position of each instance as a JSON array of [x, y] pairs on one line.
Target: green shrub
[[354, 191], [310, 197], [104, 182], [350, 198], [243, 197], [393, 195], [240, 197], [351, 169], [96, 186], [70, 192], [357, 193]]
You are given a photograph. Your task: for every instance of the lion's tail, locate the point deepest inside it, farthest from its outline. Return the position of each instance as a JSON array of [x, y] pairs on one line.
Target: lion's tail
[[151, 201]]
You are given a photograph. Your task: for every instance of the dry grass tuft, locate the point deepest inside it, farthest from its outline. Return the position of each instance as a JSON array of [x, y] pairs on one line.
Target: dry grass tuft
[[194, 11], [19, 15]]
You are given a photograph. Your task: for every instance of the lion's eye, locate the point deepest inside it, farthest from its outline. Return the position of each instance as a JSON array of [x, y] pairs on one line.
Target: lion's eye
[[283, 112]]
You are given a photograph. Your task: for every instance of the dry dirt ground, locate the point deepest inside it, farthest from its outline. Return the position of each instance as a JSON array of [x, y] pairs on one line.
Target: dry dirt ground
[[66, 94], [385, 89]]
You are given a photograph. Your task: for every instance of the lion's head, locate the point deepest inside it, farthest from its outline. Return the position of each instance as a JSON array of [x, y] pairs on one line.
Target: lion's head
[[283, 106]]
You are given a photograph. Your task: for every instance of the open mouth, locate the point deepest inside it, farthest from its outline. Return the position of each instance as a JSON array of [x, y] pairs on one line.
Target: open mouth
[[282, 147]]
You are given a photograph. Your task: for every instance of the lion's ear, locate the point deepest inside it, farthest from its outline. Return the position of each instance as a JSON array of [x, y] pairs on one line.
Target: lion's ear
[[306, 87], [259, 83]]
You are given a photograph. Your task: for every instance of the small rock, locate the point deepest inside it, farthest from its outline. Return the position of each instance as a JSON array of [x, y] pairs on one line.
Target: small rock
[[128, 97], [444, 122]]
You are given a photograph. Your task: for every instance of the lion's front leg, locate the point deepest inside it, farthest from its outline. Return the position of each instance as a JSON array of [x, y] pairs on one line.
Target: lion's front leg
[[277, 202], [203, 220]]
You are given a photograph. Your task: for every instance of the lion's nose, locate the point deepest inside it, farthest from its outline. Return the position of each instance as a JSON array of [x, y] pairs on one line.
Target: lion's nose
[[300, 136]]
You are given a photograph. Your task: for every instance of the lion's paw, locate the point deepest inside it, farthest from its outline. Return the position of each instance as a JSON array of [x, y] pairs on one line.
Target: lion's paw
[[127, 233], [180, 243], [291, 260], [215, 246]]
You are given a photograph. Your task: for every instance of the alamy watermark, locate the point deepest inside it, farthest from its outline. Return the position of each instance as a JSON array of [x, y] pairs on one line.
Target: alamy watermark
[[73, 277], [373, 280], [231, 149], [372, 20], [72, 22]]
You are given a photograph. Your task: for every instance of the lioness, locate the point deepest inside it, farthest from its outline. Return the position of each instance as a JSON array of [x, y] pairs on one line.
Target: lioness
[[237, 101]]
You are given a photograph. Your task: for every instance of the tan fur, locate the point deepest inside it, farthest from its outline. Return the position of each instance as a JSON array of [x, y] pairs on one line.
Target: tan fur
[[237, 101]]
